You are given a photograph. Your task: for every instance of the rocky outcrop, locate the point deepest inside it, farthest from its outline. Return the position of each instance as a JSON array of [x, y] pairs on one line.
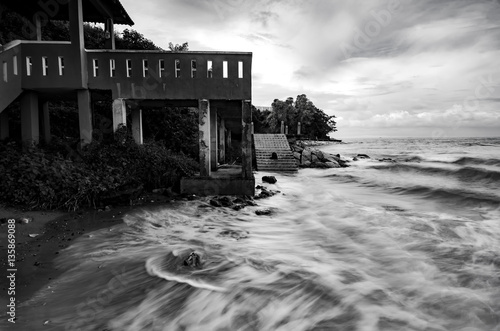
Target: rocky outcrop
[[269, 179], [308, 157]]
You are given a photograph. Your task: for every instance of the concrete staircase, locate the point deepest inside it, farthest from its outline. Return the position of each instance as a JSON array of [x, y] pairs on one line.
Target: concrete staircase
[[265, 145]]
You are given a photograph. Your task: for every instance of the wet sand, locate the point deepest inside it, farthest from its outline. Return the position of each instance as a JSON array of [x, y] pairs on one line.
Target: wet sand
[[54, 230]]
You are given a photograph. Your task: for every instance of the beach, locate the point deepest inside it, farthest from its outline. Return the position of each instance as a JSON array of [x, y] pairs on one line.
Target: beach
[[406, 239]]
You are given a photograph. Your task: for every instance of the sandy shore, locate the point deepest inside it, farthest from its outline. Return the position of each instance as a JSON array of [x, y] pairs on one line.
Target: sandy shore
[[39, 242]]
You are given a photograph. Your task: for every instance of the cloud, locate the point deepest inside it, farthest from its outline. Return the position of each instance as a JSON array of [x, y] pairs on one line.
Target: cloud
[[374, 63]]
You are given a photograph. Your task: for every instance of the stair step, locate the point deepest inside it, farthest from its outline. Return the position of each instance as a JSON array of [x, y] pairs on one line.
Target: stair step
[[267, 144]]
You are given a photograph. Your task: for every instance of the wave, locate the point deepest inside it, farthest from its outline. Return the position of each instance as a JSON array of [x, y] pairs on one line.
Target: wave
[[171, 268], [477, 161], [455, 196], [468, 174]]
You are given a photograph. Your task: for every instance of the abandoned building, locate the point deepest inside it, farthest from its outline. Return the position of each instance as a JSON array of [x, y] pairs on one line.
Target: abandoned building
[[219, 84]]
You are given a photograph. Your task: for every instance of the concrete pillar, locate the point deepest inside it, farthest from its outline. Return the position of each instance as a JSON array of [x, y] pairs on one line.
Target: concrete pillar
[[246, 140], [137, 125], [38, 25], [30, 133], [222, 142], [45, 122], [298, 129], [214, 159], [286, 129], [282, 129], [84, 116], [204, 137], [119, 113], [4, 125], [109, 43], [77, 41]]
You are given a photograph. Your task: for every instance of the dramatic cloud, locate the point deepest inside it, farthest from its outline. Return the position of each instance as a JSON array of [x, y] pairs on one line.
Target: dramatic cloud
[[384, 67]]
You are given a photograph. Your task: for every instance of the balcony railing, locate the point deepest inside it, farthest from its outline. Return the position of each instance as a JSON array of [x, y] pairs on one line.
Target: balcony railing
[[167, 75], [54, 66]]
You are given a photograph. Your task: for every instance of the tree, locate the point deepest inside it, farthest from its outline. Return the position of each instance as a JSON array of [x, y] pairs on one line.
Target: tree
[[132, 39], [315, 123], [178, 48]]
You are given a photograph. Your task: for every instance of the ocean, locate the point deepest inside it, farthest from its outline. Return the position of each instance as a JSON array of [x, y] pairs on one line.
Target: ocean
[[408, 243]]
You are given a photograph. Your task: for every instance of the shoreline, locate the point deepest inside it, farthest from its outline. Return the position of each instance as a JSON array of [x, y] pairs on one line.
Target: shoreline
[[55, 231]]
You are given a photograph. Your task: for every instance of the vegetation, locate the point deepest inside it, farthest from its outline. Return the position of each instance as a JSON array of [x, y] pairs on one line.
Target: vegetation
[[49, 177], [61, 174], [315, 124]]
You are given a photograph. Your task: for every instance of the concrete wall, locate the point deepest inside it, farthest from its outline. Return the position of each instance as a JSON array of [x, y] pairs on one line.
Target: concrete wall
[[71, 74], [168, 86]]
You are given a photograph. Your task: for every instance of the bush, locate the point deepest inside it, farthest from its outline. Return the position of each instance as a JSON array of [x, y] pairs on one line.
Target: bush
[[45, 179]]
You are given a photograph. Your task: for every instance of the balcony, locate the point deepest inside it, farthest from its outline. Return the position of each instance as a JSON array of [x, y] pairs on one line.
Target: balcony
[[156, 75]]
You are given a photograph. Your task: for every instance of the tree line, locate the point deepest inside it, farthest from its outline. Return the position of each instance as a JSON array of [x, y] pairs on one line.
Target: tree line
[[314, 122]]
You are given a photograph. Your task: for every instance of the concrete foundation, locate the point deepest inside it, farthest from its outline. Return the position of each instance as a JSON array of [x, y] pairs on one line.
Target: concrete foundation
[[205, 186]]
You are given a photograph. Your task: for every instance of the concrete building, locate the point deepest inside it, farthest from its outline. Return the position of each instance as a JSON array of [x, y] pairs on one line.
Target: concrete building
[[218, 83]]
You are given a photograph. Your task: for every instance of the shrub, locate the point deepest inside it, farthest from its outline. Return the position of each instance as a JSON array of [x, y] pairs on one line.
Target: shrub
[[49, 179]]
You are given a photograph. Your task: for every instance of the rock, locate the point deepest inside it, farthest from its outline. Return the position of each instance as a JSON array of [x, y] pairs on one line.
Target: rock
[[319, 154], [193, 260], [355, 159], [107, 208], [306, 164], [265, 193], [306, 156], [159, 190], [269, 179], [363, 156], [314, 158], [215, 203], [33, 235], [320, 165], [332, 164], [234, 234], [386, 159], [25, 220], [238, 207], [330, 158], [297, 148], [239, 201], [225, 201], [296, 155], [221, 202], [264, 212]]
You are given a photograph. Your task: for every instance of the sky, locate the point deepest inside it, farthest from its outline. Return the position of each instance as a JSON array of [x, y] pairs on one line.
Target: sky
[[384, 68]]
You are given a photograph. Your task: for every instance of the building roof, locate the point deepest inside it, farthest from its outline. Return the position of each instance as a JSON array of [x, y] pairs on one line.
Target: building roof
[[93, 10]]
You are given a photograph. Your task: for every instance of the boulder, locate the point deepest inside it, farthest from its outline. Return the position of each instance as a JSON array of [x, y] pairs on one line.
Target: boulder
[[296, 155], [264, 212], [306, 156], [193, 260], [297, 148], [363, 156], [314, 158], [319, 154], [269, 179], [331, 164]]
